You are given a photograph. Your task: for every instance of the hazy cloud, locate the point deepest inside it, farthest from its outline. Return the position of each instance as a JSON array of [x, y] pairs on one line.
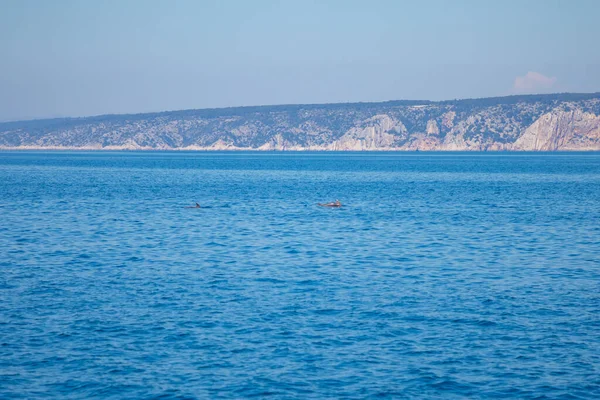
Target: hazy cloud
[[533, 82]]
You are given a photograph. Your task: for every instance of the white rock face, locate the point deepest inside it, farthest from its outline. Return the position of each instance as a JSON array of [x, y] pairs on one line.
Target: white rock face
[[375, 133], [276, 143], [222, 145], [561, 130], [432, 128], [448, 119]]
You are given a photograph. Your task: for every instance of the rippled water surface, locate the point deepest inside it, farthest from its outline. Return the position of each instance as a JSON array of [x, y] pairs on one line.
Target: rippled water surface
[[443, 275]]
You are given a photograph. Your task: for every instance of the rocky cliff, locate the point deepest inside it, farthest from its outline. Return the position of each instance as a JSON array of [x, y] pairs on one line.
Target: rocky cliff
[[536, 122]]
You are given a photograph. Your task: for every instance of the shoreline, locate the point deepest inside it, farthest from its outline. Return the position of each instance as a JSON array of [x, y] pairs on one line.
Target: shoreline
[[292, 150]]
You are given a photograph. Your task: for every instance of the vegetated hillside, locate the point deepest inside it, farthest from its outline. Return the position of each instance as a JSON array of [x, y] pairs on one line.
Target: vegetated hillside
[[532, 122]]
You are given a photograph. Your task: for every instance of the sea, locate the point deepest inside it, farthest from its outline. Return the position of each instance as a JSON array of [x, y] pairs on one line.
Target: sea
[[443, 275]]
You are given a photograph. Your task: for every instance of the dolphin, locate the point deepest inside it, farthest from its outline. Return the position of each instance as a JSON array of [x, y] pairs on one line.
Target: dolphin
[[335, 204]]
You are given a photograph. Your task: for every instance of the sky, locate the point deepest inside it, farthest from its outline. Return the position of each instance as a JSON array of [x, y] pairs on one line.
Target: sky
[[77, 57]]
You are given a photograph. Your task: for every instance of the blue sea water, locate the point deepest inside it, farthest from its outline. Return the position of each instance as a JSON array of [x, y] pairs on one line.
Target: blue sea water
[[444, 275]]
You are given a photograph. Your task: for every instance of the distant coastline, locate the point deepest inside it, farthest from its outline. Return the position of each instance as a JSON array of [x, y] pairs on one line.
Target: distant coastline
[[553, 122]]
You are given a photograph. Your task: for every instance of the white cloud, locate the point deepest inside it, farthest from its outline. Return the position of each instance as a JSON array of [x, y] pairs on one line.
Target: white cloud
[[533, 82]]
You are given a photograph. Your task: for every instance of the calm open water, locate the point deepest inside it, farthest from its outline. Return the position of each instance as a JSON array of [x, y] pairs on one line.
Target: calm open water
[[444, 275]]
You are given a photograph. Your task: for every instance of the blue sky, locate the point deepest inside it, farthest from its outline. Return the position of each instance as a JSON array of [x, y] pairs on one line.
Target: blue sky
[[77, 57]]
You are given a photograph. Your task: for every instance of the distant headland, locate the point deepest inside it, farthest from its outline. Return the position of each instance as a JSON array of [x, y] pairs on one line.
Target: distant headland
[[549, 122]]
